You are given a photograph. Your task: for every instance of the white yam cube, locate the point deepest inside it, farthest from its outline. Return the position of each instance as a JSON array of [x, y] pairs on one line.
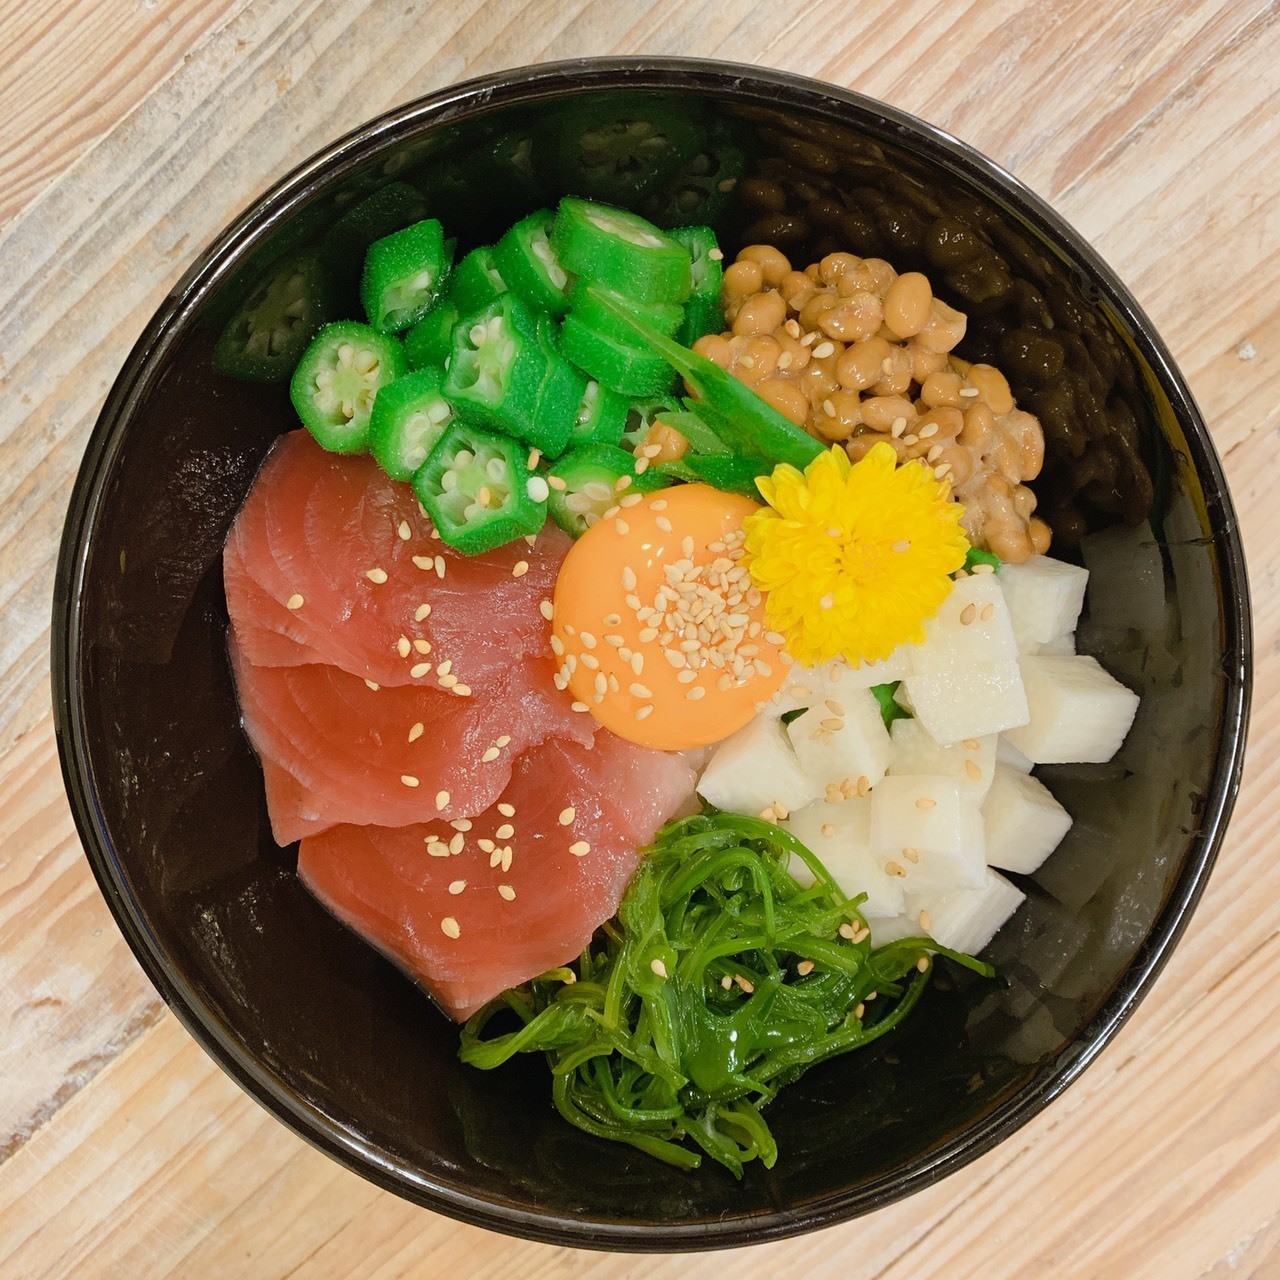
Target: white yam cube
[[935, 828], [895, 667], [1025, 824], [964, 681], [967, 919], [1044, 597], [1063, 646], [973, 625], [840, 834], [968, 700], [755, 768], [802, 688], [1007, 753], [886, 929], [970, 762], [1078, 713], [842, 737]]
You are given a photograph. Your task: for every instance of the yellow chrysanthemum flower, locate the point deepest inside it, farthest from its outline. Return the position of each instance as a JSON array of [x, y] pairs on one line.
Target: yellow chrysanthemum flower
[[853, 557]]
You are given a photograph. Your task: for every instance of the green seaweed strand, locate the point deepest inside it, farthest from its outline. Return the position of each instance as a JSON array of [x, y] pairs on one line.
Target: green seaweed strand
[[690, 1010]]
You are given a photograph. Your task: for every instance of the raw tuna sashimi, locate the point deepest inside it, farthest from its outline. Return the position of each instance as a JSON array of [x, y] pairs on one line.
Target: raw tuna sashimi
[[470, 924], [335, 750], [325, 534]]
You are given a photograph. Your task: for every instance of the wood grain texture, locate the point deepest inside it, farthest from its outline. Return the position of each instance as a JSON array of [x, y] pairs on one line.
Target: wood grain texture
[[130, 134]]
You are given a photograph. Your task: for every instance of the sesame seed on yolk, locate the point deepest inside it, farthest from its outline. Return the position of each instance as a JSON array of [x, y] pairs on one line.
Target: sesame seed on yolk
[[695, 656]]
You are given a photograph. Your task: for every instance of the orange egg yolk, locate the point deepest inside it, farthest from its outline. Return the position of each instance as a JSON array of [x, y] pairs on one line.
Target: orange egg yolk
[[657, 627]]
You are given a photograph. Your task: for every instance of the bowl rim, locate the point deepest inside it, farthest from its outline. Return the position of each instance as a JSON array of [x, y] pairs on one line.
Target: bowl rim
[[525, 85]]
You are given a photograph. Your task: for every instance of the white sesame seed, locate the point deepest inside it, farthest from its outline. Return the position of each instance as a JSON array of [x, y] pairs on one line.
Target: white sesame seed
[[450, 927], [424, 562], [416, 732], [579, 848], [694, 694], [439, 566], [421, 612], [457, 886], [422, 646], [442, 800], [643, 712], [490, 754], [372, 684], [546, 608], [420, 670], [378, 576], [520, 568], [505, 832], [507, 810], [295, 601], [507, 892], [408, 779], [658, 967], [567, 815], [403, 647]]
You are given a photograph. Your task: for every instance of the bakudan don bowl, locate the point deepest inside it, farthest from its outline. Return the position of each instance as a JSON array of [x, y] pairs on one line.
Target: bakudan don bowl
[[327, 1034]]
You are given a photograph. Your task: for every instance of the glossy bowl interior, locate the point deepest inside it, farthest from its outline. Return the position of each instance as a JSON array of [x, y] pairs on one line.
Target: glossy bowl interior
[[334, 1040]]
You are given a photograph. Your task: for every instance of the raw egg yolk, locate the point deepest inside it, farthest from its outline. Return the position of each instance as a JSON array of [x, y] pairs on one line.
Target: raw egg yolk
[[657, 628]]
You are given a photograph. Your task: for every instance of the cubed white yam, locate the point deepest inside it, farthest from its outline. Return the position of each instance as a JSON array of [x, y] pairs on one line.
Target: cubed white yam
[[1126, 579], [802, 688], [973, 625], [970, 762], [1063, 646], [886, 929], [1044, 597], [1007, 753], [840, 834], [842, 737], [967, 919], [964, 681], [968, 700], [1025, 824], [934, 826], [895, 667], [755, 768], [1078, 713]]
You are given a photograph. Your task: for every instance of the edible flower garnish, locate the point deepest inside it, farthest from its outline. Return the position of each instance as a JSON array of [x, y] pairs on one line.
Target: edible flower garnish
[[853, 557]]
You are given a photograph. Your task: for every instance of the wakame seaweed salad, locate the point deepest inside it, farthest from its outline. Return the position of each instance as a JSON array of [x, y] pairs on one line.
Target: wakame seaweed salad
[[721, 980]]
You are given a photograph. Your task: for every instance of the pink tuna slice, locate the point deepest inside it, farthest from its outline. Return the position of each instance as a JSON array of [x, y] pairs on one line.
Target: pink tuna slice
[[334, 750], [316, 525], [498, 928]]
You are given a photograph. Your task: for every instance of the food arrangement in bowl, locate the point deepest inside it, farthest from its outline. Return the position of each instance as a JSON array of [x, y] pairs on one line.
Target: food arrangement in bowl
[[652, 658], [703, 577]]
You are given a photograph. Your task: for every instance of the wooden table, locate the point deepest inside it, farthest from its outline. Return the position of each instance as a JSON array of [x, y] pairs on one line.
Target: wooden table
[[130, 133]]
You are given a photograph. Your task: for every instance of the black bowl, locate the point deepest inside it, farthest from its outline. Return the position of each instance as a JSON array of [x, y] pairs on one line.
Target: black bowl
[[329, 1036]]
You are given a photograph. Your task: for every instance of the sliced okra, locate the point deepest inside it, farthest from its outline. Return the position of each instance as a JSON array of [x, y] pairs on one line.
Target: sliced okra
[[586, 305], [629, 370], [528, 264], [337, 379], [601, 417], [585, 484], [403, 275], [497, 368], [703, 312], [477, 489], [409, 416], [476, 281], [430, 341], [621, 251]]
